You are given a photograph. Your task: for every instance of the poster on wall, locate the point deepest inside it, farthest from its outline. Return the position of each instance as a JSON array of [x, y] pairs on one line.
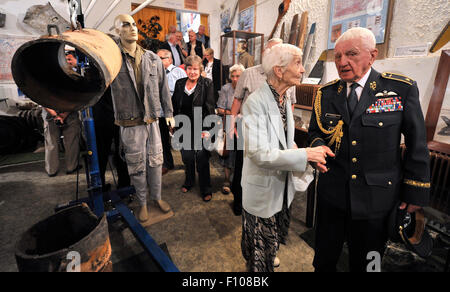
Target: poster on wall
[[247, 19], [346, 14], [8, 46], [224, 19]]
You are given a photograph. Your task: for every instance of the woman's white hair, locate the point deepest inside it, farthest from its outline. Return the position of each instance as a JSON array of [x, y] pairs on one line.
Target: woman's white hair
[[236, 67], [280, 55], [366, 35]]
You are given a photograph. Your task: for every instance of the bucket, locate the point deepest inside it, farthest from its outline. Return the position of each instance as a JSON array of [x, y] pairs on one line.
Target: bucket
[[73, 239]]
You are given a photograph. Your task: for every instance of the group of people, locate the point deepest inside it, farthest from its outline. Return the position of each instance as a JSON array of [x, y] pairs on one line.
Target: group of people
[[355, 149]]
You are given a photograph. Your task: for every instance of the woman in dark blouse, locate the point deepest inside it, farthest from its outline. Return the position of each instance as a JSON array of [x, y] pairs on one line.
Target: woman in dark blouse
[[193, 98]]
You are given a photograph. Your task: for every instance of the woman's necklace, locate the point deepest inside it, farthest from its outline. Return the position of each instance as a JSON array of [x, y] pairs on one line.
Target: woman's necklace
[[190, 84]]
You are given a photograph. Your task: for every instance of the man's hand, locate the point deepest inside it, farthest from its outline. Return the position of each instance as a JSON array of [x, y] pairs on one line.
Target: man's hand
[[411, 208]]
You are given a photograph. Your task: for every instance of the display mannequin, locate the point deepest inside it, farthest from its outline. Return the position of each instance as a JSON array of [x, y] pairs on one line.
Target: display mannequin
[[245, 58], [140, 93]]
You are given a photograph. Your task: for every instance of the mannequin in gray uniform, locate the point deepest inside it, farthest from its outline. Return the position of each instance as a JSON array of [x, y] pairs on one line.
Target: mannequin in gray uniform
[[139, 93]]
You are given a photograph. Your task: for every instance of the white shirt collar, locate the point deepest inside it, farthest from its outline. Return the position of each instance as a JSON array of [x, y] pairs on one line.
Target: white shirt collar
[[171, 67], [362, 81]]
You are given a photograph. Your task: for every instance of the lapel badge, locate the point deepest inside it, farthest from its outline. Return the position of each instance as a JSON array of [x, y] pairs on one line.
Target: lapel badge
[[373, 85], [340, 89]]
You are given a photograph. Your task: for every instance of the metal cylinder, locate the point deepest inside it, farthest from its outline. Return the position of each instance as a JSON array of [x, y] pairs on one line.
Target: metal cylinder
[[54, 244], [41, 71]]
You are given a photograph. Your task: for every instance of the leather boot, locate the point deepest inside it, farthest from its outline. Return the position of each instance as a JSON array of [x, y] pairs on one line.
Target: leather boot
[[143, 213], [164, 206]]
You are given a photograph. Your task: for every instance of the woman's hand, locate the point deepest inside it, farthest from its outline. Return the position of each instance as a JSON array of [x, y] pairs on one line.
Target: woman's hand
[[318, 155]]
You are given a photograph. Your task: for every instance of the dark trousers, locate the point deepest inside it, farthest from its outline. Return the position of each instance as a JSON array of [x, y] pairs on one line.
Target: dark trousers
[[106, 134], [167, 148], [191, 159], [236, 187], [334, 227]]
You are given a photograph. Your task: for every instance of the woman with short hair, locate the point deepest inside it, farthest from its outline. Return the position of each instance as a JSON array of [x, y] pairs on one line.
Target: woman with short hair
[[270, 159], [191, 93], [226, 97]]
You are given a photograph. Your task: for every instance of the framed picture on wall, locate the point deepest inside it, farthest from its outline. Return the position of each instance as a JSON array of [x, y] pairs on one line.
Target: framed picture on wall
[[247, 19], [437, 120], [346, 14]]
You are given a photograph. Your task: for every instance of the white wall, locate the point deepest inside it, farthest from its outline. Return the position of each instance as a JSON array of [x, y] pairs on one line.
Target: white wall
[[414, 22]]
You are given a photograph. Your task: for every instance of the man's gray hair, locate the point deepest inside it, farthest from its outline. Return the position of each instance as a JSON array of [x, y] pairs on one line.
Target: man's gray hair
[[172, 34], [166, 53], [366, 35], [279, 55], [236, 67]]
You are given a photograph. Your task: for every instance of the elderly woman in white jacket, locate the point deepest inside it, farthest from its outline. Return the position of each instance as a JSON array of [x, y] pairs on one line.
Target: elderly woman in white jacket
[[270, 158]]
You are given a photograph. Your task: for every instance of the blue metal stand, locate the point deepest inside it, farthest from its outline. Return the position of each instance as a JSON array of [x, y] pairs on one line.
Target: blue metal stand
[[95, 200]]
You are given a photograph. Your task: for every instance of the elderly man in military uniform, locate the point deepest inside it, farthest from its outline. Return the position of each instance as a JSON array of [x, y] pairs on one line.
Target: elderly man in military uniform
[[361, 117], [140, 92]]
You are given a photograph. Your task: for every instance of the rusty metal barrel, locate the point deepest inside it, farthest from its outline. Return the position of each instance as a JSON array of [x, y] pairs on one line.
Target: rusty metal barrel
[[73, 239], [40, 69]]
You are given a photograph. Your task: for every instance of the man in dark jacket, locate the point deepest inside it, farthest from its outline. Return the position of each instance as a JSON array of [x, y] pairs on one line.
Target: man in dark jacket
[[212, 71], [106, 132], [172, 46], [194, 46], [202, 37], [361, 117]]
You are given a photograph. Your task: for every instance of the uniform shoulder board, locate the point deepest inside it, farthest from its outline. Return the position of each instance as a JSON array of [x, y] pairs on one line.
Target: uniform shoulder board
[[330, 83], [398, 77]]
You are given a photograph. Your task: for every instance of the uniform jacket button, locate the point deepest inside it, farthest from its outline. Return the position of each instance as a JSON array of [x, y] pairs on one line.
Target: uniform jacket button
[[354, 176]]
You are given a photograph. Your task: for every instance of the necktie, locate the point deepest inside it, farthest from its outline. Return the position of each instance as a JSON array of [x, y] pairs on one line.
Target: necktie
[[167, 71], [352, 98]]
